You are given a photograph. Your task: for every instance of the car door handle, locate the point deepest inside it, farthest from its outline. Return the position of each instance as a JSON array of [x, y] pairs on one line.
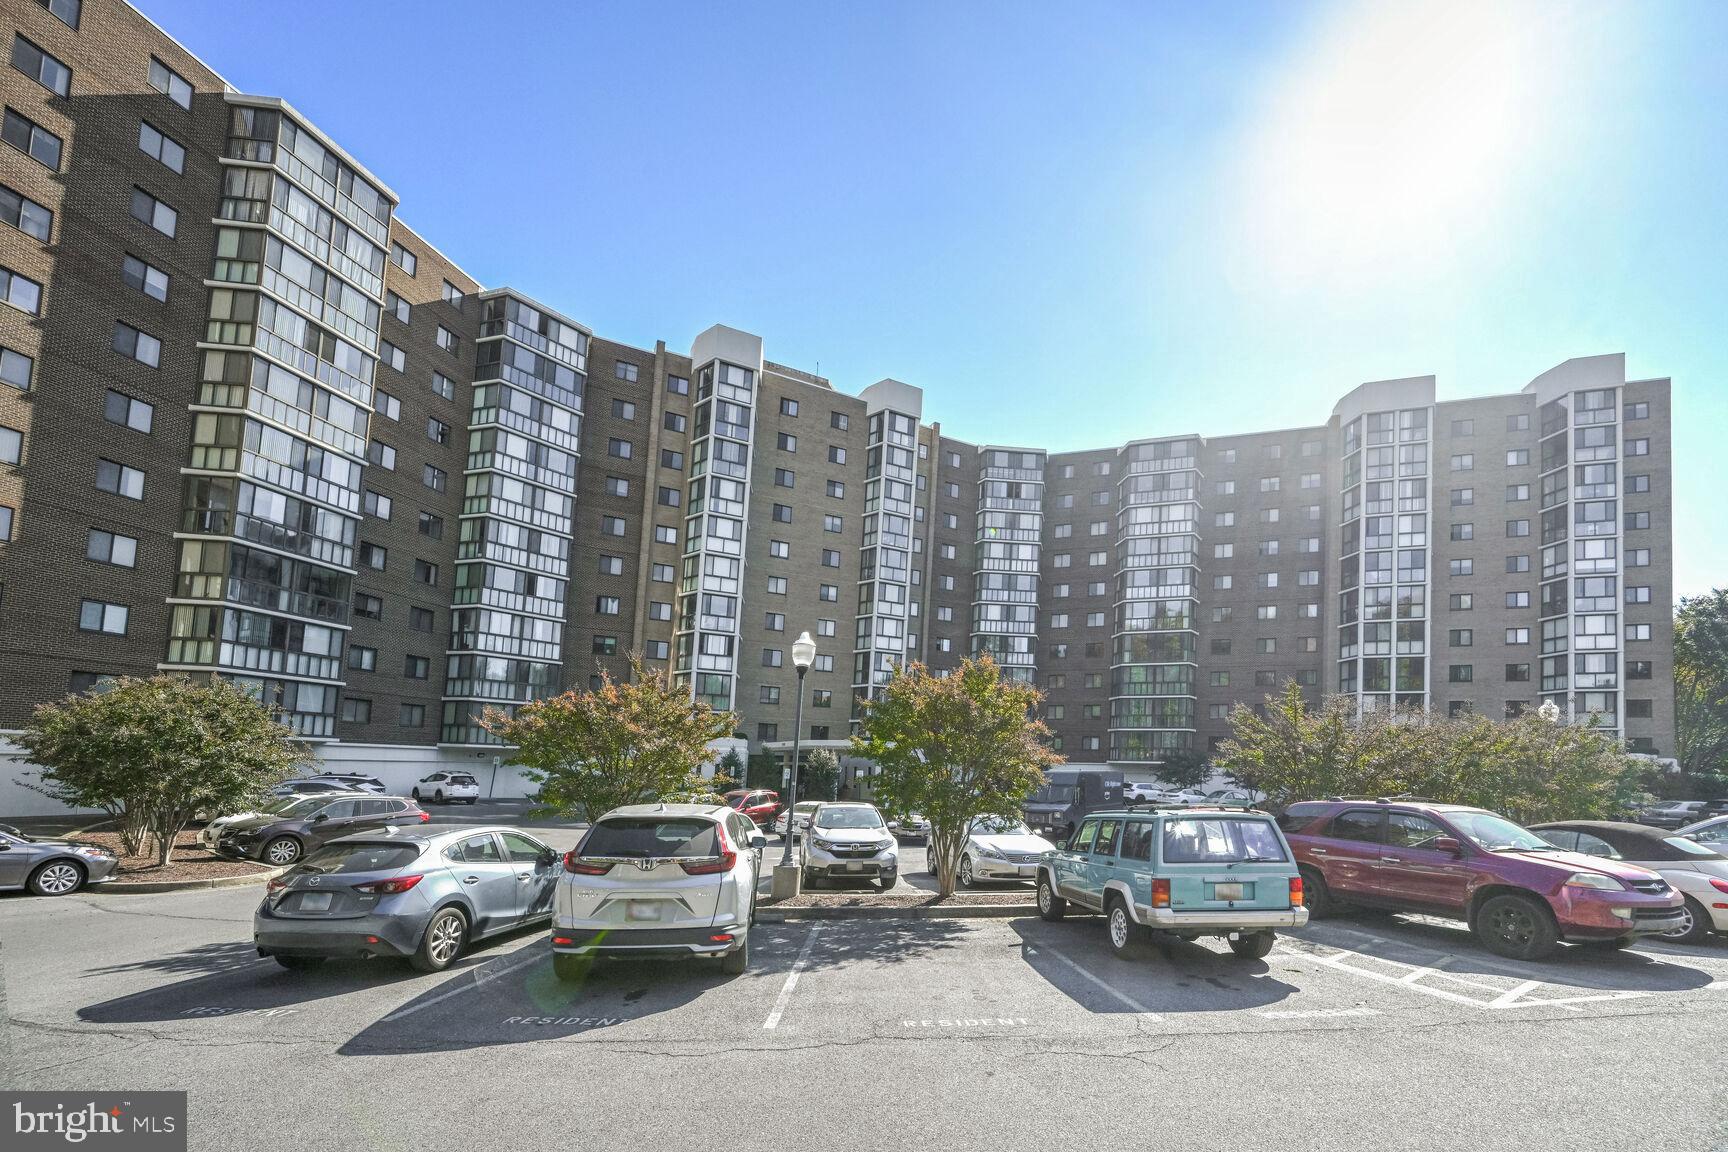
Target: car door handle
[[523, 877], [1391, 859], [470, 879], [1317, 851]]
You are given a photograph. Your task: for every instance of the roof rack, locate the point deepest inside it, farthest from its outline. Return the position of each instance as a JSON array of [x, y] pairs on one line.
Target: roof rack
[[1400, 798]]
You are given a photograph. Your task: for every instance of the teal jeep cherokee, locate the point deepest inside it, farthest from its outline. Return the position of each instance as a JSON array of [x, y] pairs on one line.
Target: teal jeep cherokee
[[1190, 872]]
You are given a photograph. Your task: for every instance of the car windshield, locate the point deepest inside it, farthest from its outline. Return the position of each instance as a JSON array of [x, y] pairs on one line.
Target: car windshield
[[1053, 794], [650, 836], [1001, 826], [1690, 847], [333, 859], [1496, 833], [1226, 840], [849, 818]]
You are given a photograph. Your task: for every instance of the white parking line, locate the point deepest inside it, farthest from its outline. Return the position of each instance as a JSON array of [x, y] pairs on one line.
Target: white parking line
[[482, 976], [1114, 991], [773, 1020]]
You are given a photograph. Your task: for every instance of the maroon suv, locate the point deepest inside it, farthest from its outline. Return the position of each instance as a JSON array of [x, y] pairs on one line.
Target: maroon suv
[[1518, 893]]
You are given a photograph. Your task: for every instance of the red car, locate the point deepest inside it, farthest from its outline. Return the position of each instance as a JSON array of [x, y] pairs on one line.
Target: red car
[[1519, 894], [760, 804]]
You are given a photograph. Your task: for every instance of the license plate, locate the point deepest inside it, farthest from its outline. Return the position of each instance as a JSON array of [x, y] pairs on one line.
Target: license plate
[[854, 866], [1226, 891], [1028, 869], [643, 910], [314, 901]]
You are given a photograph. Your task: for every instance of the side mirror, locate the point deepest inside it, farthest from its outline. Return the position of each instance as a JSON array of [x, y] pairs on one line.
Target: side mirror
[[320, 818], [757, 840], [1448, 844], [548, 857]]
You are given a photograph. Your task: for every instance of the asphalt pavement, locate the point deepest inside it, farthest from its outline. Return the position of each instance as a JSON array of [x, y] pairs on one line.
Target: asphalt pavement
[[1355, 1033]]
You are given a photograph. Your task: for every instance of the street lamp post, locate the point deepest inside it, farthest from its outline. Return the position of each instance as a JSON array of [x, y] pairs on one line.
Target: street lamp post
[[787, 874]]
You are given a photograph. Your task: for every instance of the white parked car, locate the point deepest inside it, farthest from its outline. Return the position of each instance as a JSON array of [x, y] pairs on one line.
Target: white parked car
[[1001, 848], [1234, 796], [1186, 796], [283, 807], [350, 781], [1142, 792], [1712, 833], [675, 879], [911, 826], [801, 812], [850, 841], [447, 788]]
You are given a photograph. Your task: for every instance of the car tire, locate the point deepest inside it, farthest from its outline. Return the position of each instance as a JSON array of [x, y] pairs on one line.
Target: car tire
[[57, 878], [442, 941], [471, 800], [438, 797], [1696, 928], [967, 880], [1253, 945], [1316, 896], [1516, 926], [887, 880], [282, 851], [567, 967], [1124, 935], [416, 795], [1050, 906], [736, 961], [299, 963]]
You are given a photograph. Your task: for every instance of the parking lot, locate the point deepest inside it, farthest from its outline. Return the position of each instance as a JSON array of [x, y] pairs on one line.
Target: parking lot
[[1353, 1033]]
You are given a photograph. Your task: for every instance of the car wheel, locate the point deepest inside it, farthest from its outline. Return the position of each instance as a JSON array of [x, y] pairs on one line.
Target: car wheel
[[887, 880], [1252, 945], [1050, 906], [567, 967], [299, 963], [438, 797], [415, 794], [1694, 925], [282, 851], [736, 961], [1124, 933], [1316, 895], [1517, 927], [57, 878], [442, 941], [472, 799], [967, 880]]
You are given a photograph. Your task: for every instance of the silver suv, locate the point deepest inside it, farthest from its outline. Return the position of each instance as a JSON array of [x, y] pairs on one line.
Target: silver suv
[[850, 842], [668, 878]]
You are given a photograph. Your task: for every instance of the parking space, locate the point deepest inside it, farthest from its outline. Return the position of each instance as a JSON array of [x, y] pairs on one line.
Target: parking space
[[166, 992]]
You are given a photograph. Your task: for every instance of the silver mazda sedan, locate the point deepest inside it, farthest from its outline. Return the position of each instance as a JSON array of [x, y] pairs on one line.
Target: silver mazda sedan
[[423, 893]]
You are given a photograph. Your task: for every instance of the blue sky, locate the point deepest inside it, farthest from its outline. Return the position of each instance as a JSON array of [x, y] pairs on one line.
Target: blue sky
[[1070, 225]]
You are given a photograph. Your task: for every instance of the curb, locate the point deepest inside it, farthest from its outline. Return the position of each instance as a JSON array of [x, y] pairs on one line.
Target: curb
[[146, 889], [914, 912]]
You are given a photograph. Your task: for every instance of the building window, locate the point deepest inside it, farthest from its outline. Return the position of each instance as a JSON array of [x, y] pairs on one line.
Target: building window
[[1460, 567], [1517, 599], [774, 621], [617, 486], [356, 710], [41, 67], [122, 409], [382, 455], [783, 478], [363, 659], [397, 307], [32, 139], [377, 504], [1518, 423], [1517, 527], [441, 384], [430, 526], [670, 497], [605, 646], [623, 410], [837, 455], [1517, 492], [393, 356], [678, 385], [1517, 673], [148, 210], [111, 548], [830, 558], [387, 406], [453, 295], [161, 147], [425, 572], [437, 431], [788, 406], [622, 449], [434, 478], [624, 370], [771, 657], [1463, 497], [1517, 635], [1460, 637], [119, 480], [1639, 669], [840, 420], [674, 422], [97, 616], [448, 340], [368, 607], [828, 593], [611, 565], [662, 574], [1637, 632], [145, 278], [139, 346], [671, 459], [1638, 558], [782, 513], [372, 555], [1517, 457], [25, 214], [421, 619], [11, 445], [665, 534], [611, 525], [411, 716], [404, 259], [606, 605]]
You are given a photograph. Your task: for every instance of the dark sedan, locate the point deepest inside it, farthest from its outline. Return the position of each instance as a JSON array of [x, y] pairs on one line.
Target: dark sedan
[[50, 866], [279, 840]]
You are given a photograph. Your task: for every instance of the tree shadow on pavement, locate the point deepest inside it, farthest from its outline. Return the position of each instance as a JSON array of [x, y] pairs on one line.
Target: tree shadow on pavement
[[205, 959], [1168, 975], [892, 941]]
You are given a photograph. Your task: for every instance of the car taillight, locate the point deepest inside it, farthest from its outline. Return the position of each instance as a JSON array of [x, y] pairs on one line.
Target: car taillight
[[1719, 885], [390, 887], [1161, 892], [276, 886], [1295, 891], [577, 866], [425, 816], [728, 858]]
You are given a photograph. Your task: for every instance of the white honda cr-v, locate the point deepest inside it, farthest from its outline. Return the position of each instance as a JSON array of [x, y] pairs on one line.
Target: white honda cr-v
[[668, 878]]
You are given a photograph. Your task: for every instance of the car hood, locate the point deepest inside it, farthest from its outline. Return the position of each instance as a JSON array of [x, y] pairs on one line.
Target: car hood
[[1011, 843], [253, 822], [1578, 862], [851, 835]]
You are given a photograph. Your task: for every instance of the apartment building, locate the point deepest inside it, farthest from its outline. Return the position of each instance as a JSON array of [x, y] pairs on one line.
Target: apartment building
[[253, 425]]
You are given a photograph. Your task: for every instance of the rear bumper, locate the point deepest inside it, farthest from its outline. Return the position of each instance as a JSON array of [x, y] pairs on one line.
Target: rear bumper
[[678, 941], [1218, 923], [361, 936]]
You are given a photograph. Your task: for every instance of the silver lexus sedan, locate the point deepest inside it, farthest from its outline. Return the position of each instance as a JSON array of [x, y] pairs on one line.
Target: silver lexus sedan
[[423, 893]]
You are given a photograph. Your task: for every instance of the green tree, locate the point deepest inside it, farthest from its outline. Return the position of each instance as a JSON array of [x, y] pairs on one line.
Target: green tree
[[730, 768], [621, 743], [820, 779], [1184, 768], [153, 752], [1701, 689], [954, 748]]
